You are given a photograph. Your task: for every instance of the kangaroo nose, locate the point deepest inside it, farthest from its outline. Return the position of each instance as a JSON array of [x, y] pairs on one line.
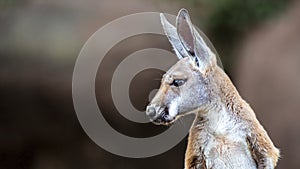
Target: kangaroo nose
[[150, 111]]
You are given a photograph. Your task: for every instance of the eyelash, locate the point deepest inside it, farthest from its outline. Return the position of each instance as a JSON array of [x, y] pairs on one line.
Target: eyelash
[[178, 82]]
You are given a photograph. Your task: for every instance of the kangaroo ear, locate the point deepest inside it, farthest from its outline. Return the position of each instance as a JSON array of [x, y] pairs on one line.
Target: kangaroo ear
[[185, 31], [172, 35], [203, 53], [192, 41]]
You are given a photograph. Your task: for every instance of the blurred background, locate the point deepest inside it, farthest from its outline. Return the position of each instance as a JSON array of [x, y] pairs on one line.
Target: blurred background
[[258, 42]]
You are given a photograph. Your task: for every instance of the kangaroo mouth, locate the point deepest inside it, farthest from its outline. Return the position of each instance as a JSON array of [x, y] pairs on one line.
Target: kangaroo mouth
[[164, 118]]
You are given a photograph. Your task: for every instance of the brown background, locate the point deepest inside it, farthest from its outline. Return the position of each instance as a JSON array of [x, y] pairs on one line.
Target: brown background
[[40, 41]]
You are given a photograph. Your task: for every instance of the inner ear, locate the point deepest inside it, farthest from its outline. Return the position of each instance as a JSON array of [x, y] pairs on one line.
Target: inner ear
[[172, 35], [185, 31]]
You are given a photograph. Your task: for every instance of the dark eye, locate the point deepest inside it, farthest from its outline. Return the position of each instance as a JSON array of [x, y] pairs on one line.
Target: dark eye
[[178, 82]]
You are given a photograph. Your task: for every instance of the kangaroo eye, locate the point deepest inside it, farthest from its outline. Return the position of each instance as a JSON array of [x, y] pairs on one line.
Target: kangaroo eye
[[178, 82]]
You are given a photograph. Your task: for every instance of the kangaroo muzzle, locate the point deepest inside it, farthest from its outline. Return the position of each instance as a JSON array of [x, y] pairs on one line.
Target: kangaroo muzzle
[[150, 111], [158, 115]]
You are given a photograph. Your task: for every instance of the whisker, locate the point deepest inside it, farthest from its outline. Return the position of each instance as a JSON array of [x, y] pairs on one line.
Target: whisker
[[181, 122], [159, 73]]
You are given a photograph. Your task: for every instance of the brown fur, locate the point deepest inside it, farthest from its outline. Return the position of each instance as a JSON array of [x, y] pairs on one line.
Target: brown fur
[[225, 132], [258, 140]]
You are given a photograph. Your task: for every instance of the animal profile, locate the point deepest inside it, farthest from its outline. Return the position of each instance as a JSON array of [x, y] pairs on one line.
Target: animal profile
[[225, 133]]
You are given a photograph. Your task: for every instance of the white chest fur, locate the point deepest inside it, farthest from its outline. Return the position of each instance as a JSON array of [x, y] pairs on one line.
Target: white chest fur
[[222, 139]]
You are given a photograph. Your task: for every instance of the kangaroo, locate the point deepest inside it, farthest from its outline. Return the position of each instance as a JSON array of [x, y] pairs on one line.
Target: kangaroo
[[225, 132]]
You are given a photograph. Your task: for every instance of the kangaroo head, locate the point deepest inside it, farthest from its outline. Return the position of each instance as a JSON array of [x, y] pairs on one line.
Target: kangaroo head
[[186, 86]]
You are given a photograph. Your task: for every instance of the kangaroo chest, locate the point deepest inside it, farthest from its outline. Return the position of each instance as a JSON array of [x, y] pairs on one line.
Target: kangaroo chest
[[219, 146], [221, 153]]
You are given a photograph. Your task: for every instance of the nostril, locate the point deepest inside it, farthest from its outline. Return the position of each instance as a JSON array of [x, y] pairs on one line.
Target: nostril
[[150, 111]]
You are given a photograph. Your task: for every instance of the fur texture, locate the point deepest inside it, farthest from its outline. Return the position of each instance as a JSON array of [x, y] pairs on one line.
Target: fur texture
[[225, 133]]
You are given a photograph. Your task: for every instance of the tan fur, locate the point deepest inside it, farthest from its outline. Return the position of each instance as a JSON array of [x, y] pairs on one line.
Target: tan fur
[[225, 132], [259, 142]]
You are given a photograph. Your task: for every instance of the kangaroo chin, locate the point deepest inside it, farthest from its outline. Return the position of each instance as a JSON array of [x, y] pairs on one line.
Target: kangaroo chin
[[163, 117], [225, 133]]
